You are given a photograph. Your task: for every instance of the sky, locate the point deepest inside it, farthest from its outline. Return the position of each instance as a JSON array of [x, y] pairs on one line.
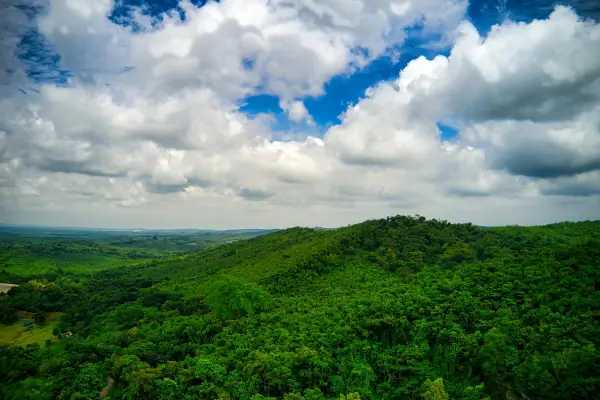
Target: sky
[[278, 113]]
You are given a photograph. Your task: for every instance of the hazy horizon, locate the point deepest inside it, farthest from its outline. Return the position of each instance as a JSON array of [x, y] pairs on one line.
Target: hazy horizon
[[151, 229]]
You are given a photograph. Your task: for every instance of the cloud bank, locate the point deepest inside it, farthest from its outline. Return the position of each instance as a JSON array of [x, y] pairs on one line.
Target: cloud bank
[[148, 130]]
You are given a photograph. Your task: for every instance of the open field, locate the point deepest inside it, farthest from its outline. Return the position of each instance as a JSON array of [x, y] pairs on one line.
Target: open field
[[19, 335]]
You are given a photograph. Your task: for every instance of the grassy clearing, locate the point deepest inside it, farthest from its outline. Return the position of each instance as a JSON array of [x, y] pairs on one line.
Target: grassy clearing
[[18, 335], [53, 316]]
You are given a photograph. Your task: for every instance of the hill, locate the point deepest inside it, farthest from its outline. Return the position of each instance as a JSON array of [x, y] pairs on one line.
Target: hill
[[399, 308]]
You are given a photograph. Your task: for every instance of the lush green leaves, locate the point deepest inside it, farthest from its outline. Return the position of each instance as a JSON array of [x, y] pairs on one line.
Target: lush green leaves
[[401, 308], [233, 298]]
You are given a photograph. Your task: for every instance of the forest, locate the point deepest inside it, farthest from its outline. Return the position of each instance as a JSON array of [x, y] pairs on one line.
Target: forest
[[33, 252], [396, 308]]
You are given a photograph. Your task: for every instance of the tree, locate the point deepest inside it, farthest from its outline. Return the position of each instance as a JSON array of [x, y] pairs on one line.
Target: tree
[[39, 317], [435, 390], [7, 311], [167, 389], [350, 396], [90, 379], [233, 298]]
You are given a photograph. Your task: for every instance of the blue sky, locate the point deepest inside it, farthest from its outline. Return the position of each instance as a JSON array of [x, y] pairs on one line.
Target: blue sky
[[43, 63]]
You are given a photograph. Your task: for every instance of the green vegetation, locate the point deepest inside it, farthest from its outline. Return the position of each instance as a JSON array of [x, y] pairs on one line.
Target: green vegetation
[[33, 253], [400, 308], [18, 335]]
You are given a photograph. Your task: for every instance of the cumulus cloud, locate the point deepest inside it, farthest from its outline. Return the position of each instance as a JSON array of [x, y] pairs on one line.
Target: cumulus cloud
[[296, 111], [548, 70], [380, 130], [290, 48], [528, 95], [148, 131], [542, 71], [541, 150]]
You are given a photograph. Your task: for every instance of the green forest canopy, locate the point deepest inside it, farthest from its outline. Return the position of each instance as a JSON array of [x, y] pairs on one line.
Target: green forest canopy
[[47, 253], [398, 308]]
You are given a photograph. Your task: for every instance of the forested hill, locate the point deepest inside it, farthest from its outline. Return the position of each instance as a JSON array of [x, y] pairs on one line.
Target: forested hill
[[400, 308]]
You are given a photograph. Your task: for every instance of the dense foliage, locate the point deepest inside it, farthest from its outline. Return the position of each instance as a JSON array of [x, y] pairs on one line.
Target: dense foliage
[[48, 253], [401, 308]]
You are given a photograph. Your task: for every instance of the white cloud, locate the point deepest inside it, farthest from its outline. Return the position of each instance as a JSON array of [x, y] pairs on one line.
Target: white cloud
[[543, 71], [380, 131], [296, 111], [165, 144], [90, 45], [528, 95], [293, 47]]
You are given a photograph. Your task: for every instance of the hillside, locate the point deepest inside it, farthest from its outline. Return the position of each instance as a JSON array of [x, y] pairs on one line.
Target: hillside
[[400, 308]]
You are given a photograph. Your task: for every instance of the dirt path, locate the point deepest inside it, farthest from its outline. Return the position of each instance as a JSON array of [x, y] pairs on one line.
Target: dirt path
[[109, 385]]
